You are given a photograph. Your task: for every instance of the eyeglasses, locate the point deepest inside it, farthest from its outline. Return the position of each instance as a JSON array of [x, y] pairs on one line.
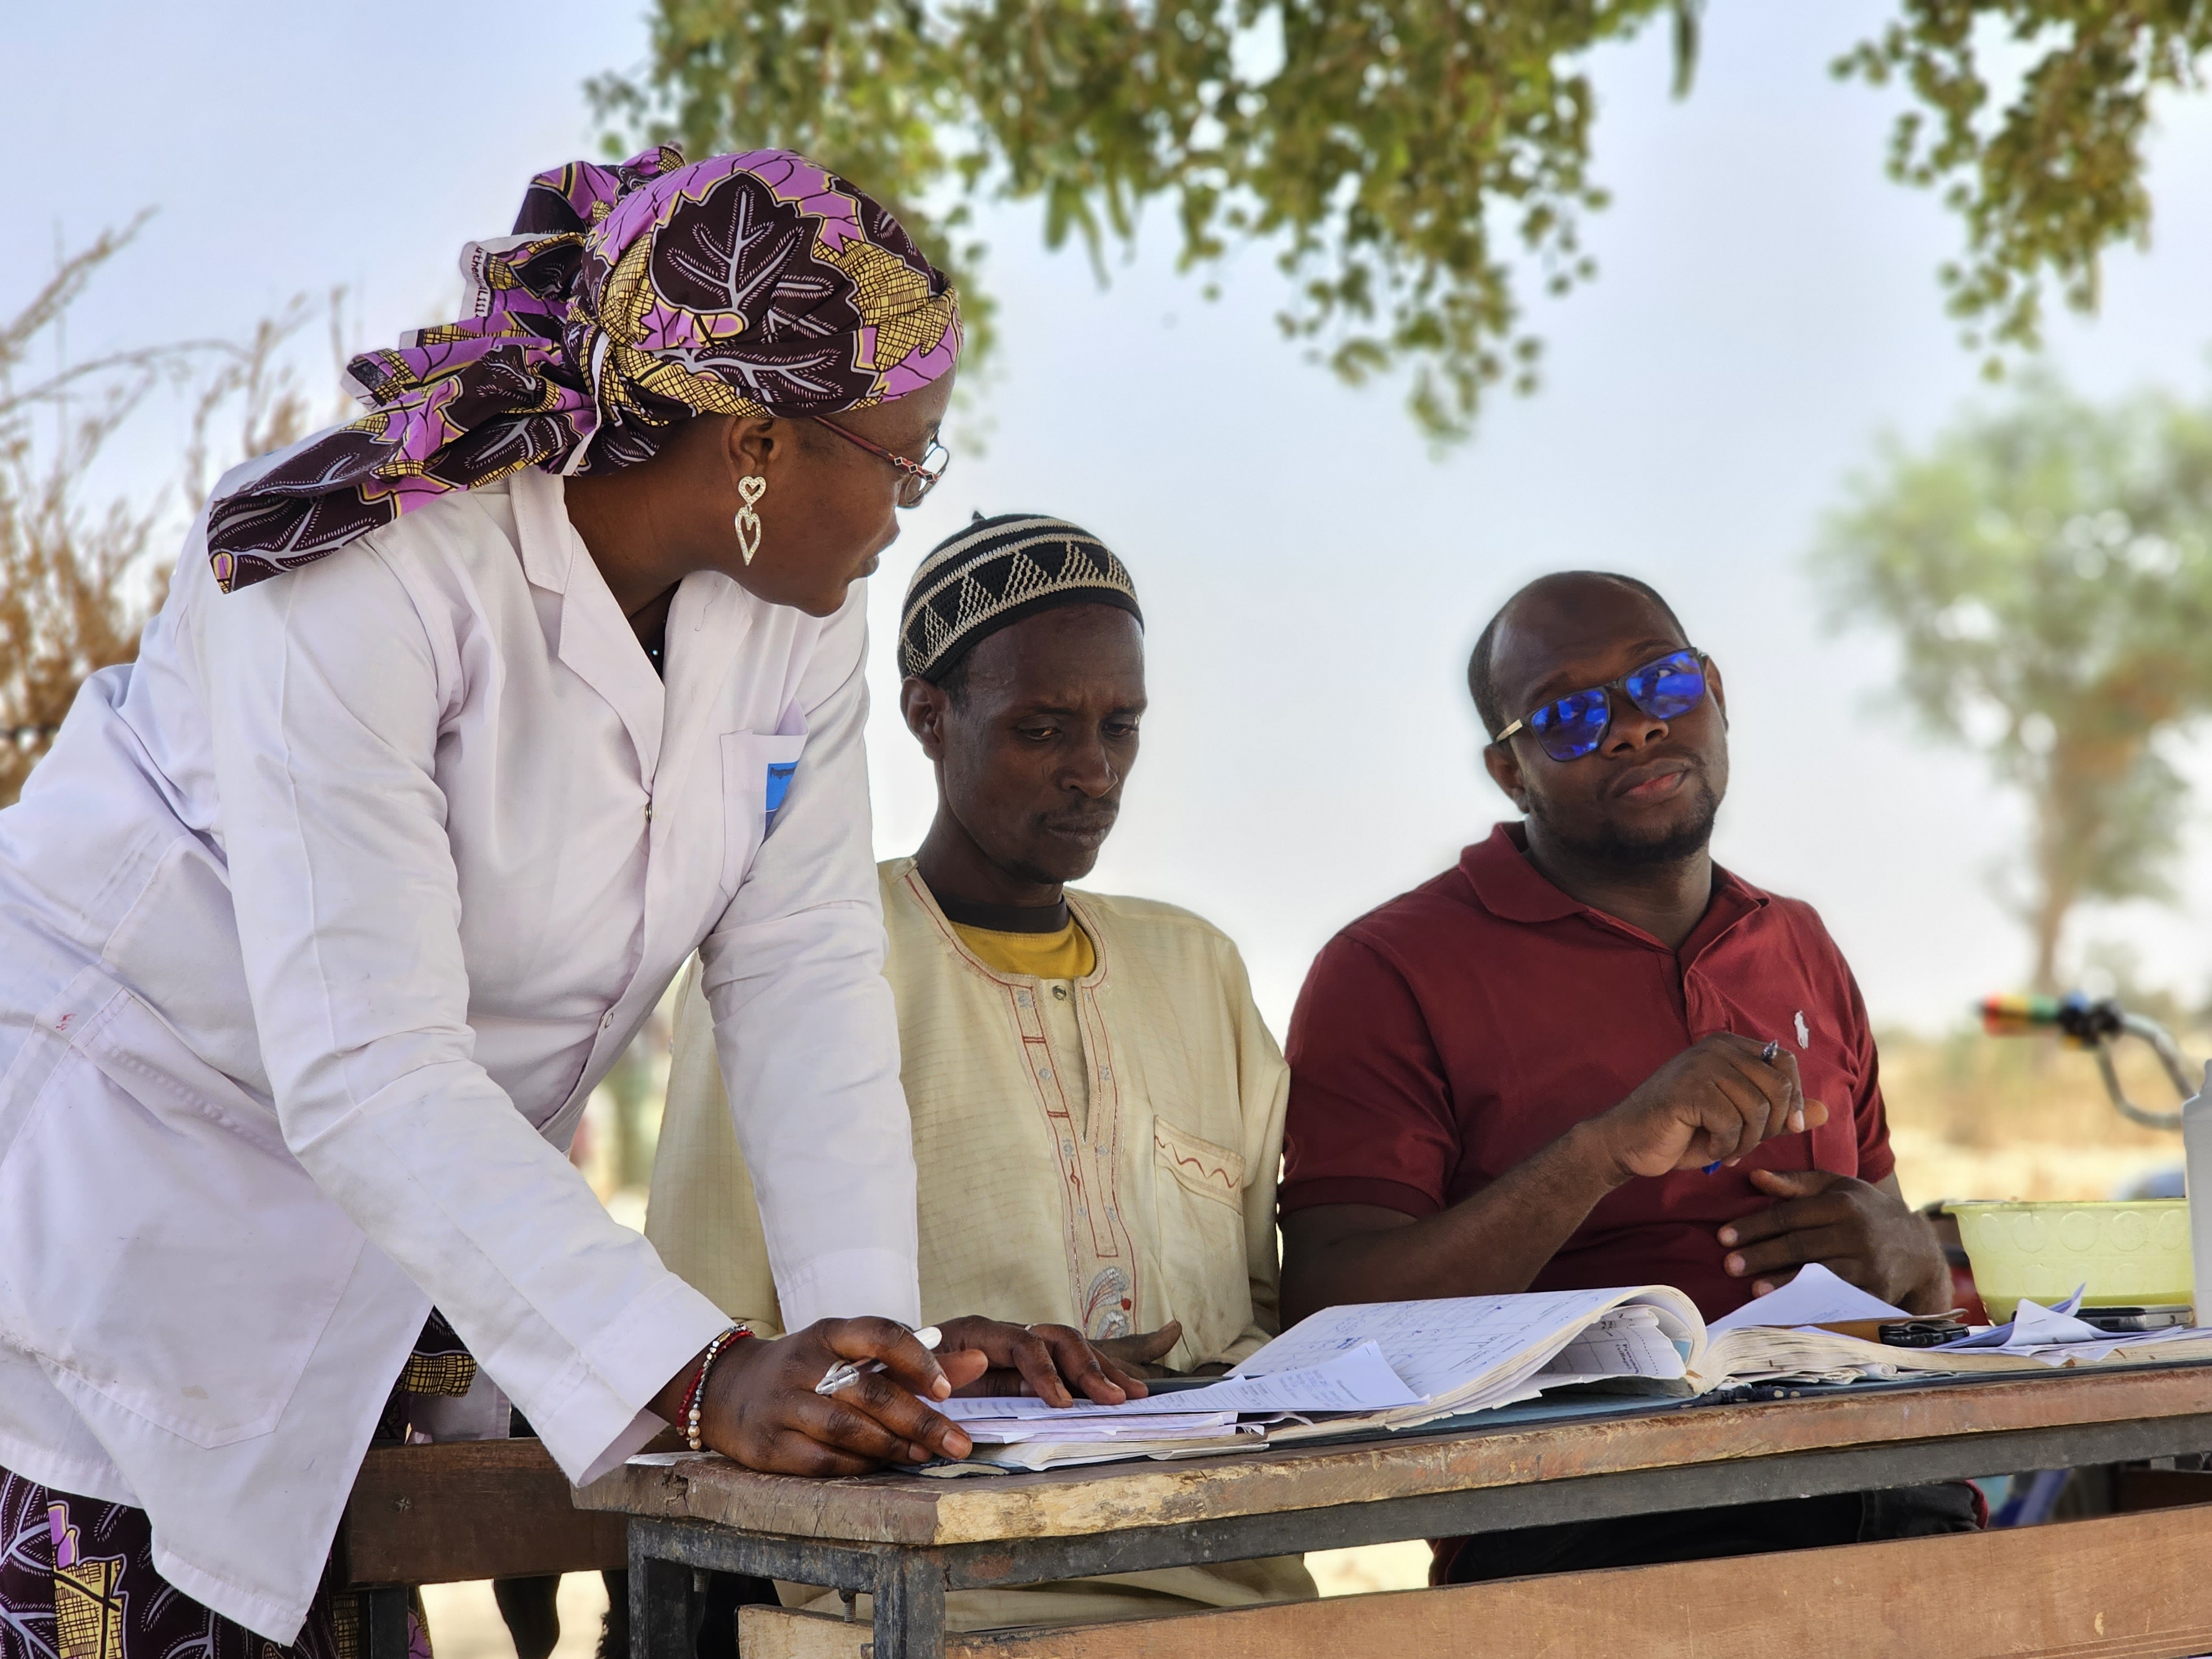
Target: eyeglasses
[[917, 479], [1573, 726]]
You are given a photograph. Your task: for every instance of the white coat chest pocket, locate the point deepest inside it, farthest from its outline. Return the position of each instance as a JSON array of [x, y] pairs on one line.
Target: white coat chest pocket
[[757, 769]]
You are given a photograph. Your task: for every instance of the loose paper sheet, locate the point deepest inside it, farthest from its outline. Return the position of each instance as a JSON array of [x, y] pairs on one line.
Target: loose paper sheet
[[1815, 1297], [2034, 1326]]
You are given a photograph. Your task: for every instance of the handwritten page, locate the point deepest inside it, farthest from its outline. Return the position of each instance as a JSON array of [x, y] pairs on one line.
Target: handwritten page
[[1623, 1342], [1815, 1297]]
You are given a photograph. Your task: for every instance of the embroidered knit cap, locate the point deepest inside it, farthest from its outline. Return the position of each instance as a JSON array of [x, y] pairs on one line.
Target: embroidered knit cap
[[992, 574], [629, 300]]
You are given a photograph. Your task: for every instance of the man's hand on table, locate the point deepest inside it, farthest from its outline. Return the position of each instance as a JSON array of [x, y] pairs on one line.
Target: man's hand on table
[[1045, 1360], [1141, 1354], [1862, 1233]]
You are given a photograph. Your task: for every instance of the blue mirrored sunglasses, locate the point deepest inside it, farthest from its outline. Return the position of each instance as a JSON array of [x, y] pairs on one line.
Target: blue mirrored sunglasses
[[1573, 726]]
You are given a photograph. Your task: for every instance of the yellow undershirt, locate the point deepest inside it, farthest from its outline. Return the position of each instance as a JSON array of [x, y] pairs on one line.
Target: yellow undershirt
[[1066, 954]]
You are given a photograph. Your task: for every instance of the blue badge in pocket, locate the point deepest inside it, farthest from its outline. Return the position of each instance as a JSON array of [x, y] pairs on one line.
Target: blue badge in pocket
[[779, 785]]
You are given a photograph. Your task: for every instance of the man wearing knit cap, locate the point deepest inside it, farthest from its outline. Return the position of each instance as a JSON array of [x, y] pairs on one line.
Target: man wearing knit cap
[[1097, 1107]]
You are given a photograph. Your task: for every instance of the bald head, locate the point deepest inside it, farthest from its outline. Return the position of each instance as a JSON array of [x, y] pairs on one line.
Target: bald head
[[1556, 610], [1641, 789]]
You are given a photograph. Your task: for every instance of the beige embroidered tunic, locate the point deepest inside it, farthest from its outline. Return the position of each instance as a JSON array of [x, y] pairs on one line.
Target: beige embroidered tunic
[[1099, 1152]]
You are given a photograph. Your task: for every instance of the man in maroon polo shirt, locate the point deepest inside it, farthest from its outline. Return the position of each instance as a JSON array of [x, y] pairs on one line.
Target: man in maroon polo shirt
[[1515, 1076]]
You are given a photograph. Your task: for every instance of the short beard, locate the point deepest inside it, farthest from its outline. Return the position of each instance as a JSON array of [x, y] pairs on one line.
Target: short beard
[[1609, 846]]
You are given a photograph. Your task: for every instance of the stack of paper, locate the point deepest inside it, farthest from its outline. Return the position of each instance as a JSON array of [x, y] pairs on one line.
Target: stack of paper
[[1030, 1442], [1020, 1431]]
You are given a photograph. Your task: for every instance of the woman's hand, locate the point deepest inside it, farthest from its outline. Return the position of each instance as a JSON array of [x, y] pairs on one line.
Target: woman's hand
[[1035, 1359], [761, 1408]]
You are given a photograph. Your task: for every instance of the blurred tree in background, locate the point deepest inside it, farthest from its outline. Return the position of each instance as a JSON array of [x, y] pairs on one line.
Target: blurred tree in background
[[2046, 571], [76, 584], [1392, 154]]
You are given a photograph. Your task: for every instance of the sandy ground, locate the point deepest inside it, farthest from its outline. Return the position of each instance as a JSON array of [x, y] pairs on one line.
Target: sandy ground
[[1377, 1567], [465, 1622], [1929, 1167]]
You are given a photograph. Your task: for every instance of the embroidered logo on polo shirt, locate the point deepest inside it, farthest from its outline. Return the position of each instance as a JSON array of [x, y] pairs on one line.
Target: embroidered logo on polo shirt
[[1804, 1036]]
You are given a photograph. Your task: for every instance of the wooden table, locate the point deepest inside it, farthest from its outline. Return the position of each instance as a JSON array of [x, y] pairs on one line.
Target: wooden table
[[2130, 1585], [439, 1515]]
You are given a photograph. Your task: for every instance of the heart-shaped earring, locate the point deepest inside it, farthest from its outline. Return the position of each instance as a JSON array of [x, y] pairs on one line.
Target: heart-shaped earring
[[750, 489]]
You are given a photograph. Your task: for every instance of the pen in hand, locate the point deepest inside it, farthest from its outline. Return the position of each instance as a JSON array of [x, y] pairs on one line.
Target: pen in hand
[[1767, 1056], [847, 1372]]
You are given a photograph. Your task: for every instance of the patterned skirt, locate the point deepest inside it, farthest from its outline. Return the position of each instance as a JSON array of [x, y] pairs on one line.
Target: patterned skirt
[[78, 1582], [77, 1578]]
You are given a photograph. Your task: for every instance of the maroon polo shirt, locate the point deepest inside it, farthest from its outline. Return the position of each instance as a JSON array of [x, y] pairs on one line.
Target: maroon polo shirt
[[1445, 1037]]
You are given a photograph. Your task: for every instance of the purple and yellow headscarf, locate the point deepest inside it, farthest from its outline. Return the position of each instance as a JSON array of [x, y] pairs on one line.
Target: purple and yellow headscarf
[[628, 299]]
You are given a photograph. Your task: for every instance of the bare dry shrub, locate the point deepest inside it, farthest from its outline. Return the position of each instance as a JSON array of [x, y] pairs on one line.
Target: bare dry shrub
[[77, 583]]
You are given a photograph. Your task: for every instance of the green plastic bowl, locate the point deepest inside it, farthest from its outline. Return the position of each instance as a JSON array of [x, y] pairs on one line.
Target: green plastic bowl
[[2128, 1254]]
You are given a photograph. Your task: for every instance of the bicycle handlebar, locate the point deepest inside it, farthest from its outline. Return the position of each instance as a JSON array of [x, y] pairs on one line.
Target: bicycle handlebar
[[2083, 1022]]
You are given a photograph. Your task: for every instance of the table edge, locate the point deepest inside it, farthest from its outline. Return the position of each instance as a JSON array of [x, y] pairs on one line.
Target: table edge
[[919, 1510]]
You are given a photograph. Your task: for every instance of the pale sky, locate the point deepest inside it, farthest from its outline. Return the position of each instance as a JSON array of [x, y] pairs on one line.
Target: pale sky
[[1312, 579]]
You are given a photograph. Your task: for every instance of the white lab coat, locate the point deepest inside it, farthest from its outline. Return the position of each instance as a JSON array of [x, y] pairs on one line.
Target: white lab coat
[[317, 928]]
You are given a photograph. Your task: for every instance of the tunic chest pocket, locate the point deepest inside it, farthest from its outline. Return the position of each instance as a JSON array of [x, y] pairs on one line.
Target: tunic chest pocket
[[1198, 1202], [1199, 1166], [757, 769]]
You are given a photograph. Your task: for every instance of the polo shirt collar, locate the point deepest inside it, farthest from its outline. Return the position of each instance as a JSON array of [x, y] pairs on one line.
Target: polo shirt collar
[[1512, 889]]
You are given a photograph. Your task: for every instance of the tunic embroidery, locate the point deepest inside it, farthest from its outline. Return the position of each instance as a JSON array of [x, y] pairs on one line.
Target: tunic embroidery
[[1102, 1258]]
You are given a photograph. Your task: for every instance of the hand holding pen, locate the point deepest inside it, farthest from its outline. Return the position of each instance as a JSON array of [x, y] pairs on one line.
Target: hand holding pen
[[1711, 1104], [761, 1402], [845, 1372], [1766, 1057]]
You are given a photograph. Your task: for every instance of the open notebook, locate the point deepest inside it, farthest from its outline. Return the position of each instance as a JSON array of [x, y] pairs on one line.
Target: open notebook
[[1469, 1353], [1399, 1364]]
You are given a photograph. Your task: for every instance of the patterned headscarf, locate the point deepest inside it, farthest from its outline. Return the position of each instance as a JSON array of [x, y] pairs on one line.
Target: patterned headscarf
[[995, 572], [628, 299]]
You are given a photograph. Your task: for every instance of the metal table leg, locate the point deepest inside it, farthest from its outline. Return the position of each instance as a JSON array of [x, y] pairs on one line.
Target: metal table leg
[[384, 1611], [909, 1605], [665, 1604]]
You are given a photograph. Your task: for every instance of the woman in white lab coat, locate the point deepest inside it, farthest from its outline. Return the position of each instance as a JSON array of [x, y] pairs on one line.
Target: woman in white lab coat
[[462, 728]]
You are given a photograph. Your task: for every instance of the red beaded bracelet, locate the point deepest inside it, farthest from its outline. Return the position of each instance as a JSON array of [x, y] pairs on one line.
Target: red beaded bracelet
[[695, 1394]]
